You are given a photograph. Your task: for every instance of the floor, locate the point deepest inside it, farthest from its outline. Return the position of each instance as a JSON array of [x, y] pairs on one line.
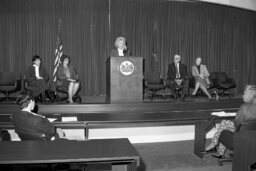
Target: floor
[[175, 156]]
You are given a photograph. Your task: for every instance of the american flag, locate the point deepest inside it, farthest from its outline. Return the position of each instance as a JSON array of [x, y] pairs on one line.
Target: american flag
[[58, 51]]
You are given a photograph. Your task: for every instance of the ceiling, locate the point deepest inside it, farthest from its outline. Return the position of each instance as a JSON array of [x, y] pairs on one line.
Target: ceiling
[[245, 4]]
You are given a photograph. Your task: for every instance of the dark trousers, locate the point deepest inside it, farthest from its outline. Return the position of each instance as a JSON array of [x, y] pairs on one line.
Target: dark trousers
[[183, 86]]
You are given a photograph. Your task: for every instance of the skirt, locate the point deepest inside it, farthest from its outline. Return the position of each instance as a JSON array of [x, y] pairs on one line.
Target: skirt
[[38, 86], [65, 84], [202, 82]]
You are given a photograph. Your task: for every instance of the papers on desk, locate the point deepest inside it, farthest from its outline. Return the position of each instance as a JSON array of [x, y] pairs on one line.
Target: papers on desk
[[223, 114], [69, 119], [52, 119]]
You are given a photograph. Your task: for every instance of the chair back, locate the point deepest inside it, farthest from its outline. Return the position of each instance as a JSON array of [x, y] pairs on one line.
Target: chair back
[[152, 77], [8, 78], [220, 76], [248, 126]]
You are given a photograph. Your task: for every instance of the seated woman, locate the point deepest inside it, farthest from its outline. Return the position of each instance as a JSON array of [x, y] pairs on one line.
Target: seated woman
[[67, 77], [121, 48], [246, 112], [201, 75], [28, 124], [37, 78]]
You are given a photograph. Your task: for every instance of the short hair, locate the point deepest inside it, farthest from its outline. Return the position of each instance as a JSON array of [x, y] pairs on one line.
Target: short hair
[[198, 58], [63, 57], [250, 94], [35, 58], [118, 39], [24, 99]]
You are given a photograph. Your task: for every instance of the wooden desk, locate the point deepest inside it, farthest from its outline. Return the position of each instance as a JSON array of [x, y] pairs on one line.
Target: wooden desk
[[203, 121], [118, 152]]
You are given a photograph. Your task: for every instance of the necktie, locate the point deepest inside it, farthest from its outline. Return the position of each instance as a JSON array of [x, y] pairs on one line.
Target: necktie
[[177, 71]]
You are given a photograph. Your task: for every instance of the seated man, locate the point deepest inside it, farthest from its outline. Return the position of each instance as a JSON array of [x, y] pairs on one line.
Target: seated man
[[177, 77], [29, 124]]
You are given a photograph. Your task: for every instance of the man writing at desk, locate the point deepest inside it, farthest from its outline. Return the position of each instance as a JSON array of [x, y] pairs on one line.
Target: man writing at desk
[[32, 126]]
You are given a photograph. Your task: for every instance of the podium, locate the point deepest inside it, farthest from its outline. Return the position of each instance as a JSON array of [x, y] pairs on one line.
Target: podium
[[124, 80]]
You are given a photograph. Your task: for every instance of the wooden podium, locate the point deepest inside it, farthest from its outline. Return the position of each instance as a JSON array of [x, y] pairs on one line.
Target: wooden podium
[[124, 79]]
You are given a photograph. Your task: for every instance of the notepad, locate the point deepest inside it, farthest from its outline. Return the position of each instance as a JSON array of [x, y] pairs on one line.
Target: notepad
[[52, 119], [223, 114], [69, 119]]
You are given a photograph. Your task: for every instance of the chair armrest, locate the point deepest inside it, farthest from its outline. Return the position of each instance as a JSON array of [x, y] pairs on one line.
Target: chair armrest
[[162, 81]]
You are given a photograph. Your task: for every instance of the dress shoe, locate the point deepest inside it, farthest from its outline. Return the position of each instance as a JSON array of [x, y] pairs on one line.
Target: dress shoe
[[218, 156], [212, 150], [193, 96]]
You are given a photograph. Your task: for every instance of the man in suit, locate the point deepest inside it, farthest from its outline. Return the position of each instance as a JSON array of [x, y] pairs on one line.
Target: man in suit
[[177, 77], [121, 48]]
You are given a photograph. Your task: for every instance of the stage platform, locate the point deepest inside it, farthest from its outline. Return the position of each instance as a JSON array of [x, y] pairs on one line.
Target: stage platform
[[124, 108]]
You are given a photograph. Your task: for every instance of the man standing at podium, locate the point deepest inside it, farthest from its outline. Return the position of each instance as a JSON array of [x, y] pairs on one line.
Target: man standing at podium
[[177, 77], [121, 48]]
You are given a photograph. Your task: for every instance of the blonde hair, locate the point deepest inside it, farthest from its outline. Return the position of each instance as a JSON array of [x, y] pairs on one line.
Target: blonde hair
[[199, 58], [118, 39], [250, 94]]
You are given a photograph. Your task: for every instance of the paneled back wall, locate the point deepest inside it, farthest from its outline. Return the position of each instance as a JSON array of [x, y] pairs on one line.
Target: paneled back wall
[[224, 37]]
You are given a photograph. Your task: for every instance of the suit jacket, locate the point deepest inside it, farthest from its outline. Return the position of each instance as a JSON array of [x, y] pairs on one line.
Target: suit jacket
[[31, 75], [62, 76], [171, 74], [114, 53], [203, 71], [26, 122]]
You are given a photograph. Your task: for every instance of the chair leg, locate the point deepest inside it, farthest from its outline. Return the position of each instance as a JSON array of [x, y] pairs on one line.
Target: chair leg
[[152, 96], [7, 96], [226, 159]]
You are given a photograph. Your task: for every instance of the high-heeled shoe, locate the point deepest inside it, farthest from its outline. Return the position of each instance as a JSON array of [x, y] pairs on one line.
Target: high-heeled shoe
[[70, 102], [193, 96], [218, 156]]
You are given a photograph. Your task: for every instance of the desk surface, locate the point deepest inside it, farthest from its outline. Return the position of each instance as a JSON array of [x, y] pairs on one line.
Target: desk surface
[[64, 151]]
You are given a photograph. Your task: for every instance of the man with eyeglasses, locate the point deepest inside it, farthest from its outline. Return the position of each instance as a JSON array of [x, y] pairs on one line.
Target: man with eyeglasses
[[177, 78]]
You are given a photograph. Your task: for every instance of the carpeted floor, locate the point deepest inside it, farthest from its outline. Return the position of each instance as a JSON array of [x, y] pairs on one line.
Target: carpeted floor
[[175, 156]]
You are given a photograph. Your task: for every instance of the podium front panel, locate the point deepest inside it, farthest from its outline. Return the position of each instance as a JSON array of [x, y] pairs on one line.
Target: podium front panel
[[124, 79]]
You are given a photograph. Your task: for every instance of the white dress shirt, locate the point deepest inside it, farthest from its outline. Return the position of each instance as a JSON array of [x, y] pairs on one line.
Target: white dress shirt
[[120, 52], [178, 70], [36, 71]]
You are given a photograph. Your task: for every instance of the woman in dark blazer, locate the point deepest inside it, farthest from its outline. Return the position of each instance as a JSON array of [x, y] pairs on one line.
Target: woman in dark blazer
[[67, 78], [121, 48], [201, 75], [28, 123], [37, 78]]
